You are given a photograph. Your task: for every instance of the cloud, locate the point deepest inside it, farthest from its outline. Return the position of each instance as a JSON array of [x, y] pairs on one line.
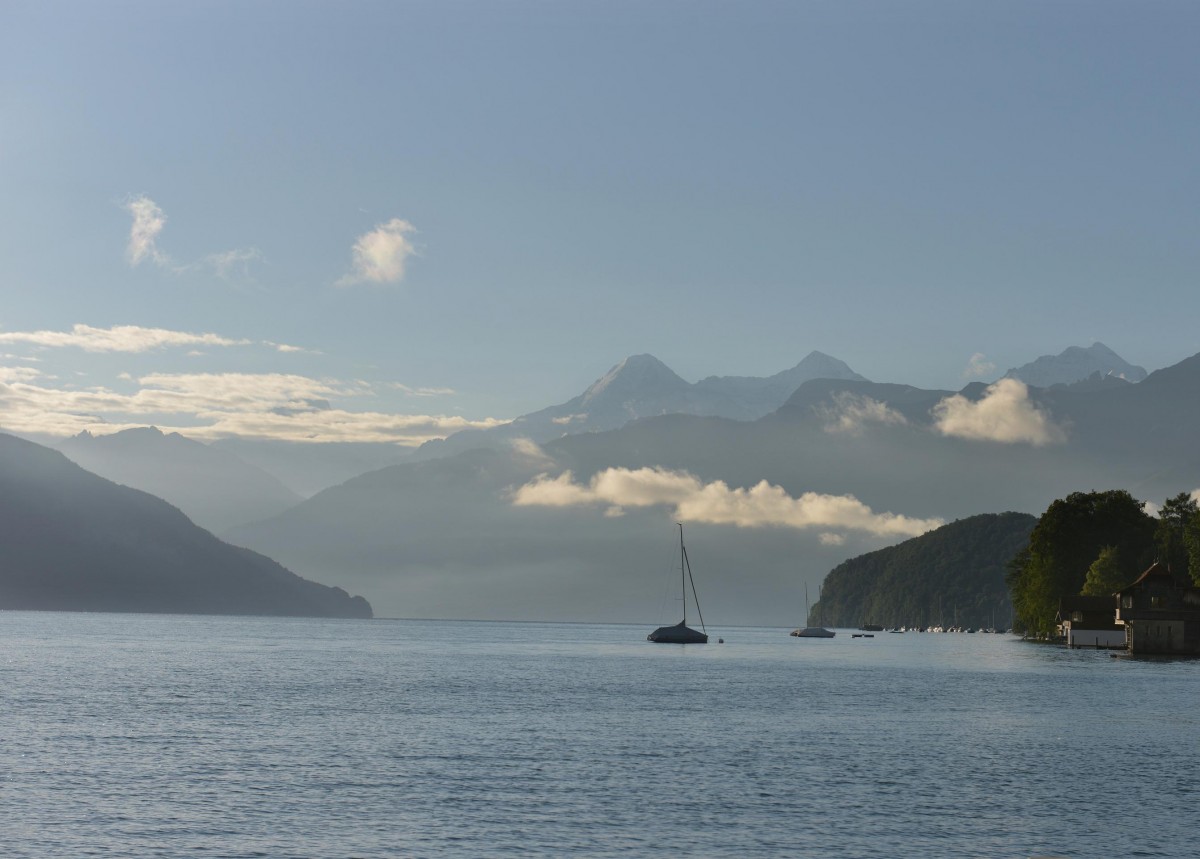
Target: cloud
[[423, 392], [850, 413], [380, 255], [979, 367], [212, 406], [286, 348], [148, 222], [531, 451], [828, 539], [17, 374], [132, 338], [1005, 414], [119, 338], [716, 503], [230, 262]]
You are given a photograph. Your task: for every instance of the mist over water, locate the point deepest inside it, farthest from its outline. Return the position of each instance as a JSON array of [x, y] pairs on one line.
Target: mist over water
[[165, 736]]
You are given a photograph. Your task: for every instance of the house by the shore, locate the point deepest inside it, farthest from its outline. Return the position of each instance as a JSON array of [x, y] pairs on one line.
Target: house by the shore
[[1160, 614], [1090, 621]]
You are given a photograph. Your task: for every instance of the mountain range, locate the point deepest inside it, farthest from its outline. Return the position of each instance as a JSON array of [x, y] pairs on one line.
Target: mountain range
[[562, 513], [642, 386], [568, 529], [215, 488], [1075, 364], [74, 541]]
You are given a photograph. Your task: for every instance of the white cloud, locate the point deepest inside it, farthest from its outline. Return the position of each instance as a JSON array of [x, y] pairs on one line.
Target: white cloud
[[828, 539], [286, 348], [380, 255], [716, 502], [1004, 414], [148, 222], [18, 374], [850, 413], [423, 392], [132, 338], [530, 451], [230, 262], [979, 367], [119, 338], [211, 406]]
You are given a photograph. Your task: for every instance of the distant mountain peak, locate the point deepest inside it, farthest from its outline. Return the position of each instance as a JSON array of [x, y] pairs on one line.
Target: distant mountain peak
[[639, 375], [1074, 364], [818, 365]]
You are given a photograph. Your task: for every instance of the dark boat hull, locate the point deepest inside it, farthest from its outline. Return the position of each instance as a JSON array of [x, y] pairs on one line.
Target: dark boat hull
[[813, 632], [677, 634]]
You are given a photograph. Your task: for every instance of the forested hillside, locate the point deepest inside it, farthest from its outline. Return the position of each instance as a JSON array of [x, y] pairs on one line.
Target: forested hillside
[[953, 574]]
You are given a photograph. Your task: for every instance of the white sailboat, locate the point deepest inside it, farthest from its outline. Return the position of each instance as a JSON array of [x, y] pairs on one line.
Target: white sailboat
[[681, 633], [811, 631]]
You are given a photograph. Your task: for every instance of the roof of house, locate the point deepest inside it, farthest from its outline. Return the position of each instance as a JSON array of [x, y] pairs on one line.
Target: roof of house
[[1156, 571]]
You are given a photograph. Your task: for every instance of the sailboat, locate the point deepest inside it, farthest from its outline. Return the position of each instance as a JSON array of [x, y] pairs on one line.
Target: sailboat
[[681, 633], [811, 631]]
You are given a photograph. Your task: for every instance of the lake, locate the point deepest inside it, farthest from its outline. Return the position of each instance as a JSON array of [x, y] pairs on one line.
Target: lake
[[144, 735]]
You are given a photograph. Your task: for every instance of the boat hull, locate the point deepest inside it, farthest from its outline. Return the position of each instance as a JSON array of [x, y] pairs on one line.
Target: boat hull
[[813, 632], [677, 634]]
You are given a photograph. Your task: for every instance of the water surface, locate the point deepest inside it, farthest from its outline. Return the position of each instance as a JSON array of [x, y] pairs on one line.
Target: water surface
[[168, 736]]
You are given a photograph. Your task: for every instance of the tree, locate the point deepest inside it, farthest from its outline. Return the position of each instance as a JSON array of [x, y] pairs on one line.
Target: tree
[[1066, 541], [1170, 537], [1191, 541], [1106, 575]]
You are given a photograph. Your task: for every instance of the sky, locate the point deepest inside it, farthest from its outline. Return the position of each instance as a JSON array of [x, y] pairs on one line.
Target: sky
[[362, 221]]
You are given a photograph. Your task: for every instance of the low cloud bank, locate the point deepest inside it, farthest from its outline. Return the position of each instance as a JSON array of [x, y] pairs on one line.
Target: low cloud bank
[[118, 338], [851, 413], [1005, 414], [717, 503], [209, 406]]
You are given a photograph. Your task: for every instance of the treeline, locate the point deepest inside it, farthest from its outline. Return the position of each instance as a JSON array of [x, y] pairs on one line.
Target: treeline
[[955, 574], [1097, 543]]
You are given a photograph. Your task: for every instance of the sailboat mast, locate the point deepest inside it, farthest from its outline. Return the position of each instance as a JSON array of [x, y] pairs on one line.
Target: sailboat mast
[[682, 580]]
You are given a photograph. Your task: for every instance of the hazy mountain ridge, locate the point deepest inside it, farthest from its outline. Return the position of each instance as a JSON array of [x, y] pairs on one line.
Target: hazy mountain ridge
[[74, 541], [1074, 364], [642, 386], [215, 488], [444, 537]]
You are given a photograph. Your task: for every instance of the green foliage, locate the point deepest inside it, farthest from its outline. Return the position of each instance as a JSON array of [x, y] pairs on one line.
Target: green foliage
[[1106, 575], [955, 572], [1068, 537], [1191, 541], [1170, 537]]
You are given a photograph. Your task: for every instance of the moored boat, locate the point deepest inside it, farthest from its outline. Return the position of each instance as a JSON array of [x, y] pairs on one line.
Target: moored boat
[[681, 633]]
